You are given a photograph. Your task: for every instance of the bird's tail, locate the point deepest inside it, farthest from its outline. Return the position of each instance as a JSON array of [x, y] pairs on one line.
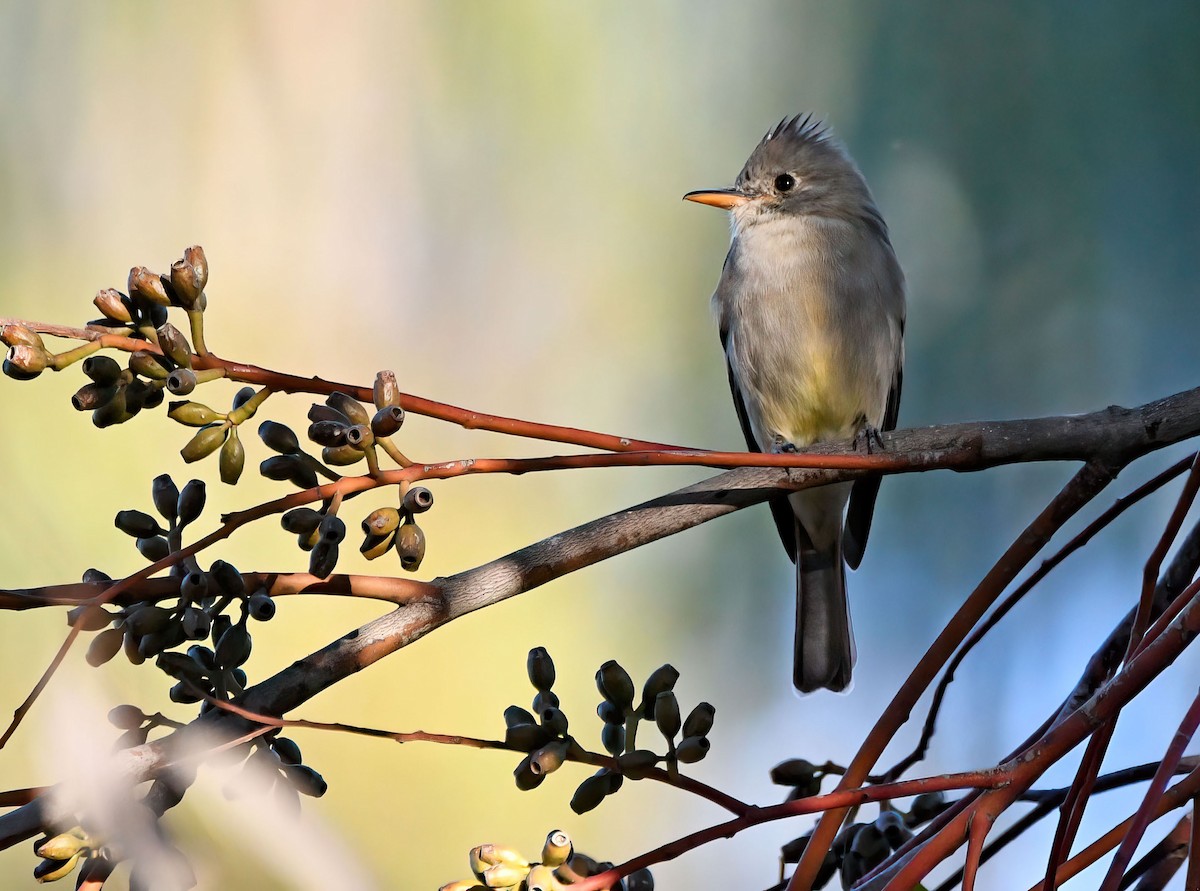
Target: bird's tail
[[824, 641]]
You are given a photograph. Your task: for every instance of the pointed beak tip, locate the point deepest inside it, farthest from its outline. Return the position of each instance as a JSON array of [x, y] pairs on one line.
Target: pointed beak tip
[[726, 199]]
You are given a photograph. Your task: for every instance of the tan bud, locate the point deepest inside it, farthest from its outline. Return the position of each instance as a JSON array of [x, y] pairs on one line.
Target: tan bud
[[196, 259], [28, 359], [112, 305], [13, 334], [349, 407], [53, 870], [90, 397], [381, 521], [386, 391], [174, 345], [148, 286], [502, 875], [410, 545], [193, 414], [61, 847], [185, 283], [558, 848], [149, 365], [233, 458]]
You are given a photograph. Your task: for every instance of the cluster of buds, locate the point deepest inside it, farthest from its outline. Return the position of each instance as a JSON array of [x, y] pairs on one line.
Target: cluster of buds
[[218, 430], [319, 532], [560, 866], [859, 847], [543, 732], [390, 528], [273, 763], [348, 433], [62, 852], [27, 354]]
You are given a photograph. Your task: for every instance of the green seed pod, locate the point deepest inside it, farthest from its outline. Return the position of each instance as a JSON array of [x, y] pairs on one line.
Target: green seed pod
[[554, 720], [526, 737], [349, 407], [232, 459], [149, 365], [13, 334], [541, 878], [323, 559], [612, 737], [104, 646], [53, 870], [191, 501], [610, 714], [590, 793], [205, 442], [261, 606], [661, 679], [146, 285], [185, 283], [301, 520], [381, 521], [504, 876], [278, 437], [359, 436], [113, 305], [342, 456], [103, 370], [386, 392], [305, 780], [90, 397], [233, 649], [692, 749], [28, 359], [666, 714], [181, 381], [89, 617], [540, 668], [793, 772], [557, 849], [525, 777], [615, 685], [196, 623], [543, 700], [417, 500], [193, 414], [375, 546], [410, 545], [637, 764], [287, 750], [175, 345], [137, 524], [387, 420], [126, 717], [195, 258], [549, 757], [700, 720], [328, 433]]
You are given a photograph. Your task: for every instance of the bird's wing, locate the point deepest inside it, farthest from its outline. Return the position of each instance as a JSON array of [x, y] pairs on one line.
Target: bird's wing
[[864, 492], [781, 508]]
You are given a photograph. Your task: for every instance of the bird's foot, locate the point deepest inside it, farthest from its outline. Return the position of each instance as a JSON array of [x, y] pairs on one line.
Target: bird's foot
[[781, 446], [868, 439]]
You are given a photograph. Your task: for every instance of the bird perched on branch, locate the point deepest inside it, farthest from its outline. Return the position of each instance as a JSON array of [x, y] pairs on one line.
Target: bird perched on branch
[[811, 312]]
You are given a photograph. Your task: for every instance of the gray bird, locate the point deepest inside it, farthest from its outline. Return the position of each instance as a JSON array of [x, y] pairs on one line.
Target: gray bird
[[811, 312]]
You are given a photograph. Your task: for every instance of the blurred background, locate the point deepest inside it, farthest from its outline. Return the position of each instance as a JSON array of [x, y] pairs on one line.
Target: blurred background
[[485, 198]]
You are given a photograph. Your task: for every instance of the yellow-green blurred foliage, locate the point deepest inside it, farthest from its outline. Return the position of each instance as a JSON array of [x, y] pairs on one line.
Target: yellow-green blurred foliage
[[485, 198]]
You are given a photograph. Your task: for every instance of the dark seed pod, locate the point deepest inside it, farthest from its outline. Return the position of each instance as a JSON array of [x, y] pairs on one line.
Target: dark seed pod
[[637, 764], [193, 414], [301, 520], [261, 606], [95, 576], [89, 617], [342, 456], [194, 255], [387, 420], [319, 412], [589, 794], [104, 370], [515, 716], [386, 391], [359, 436], [417, 500], [191, 501], [349, 407], [143, 620], [149, 365], [525, 776], [555, 721], [612, 737], [17, 373], [185, 283], [193, 587], [700, 720], [184, 693], [232, 459], [137, 393], [323, 559], [137, 524], [278, 437], [113, 305], [126, 717], [305, 780], [615, 685], [793, 772], [111, 412], [540, 668], [154, 393], [278, 467], [181, 381], [610, 713], [328, 433], [175, 345], [147, 286], [661, 679], [90, 397], [543, 700], [233, 648], [131, 738], [287, 750], [180, 666], [410, 545], [666, 714], [870, 845], [642, 880], [692, 749], [205, 442], [549, 757], [242, 396], [925, 807], [526, 737], [165, 495], [196, 624], [133, 650], [892, 825], [227, 578], [332, 529], [204, 657], [104, 646]]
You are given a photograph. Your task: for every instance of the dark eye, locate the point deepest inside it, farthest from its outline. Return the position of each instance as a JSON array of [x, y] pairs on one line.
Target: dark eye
[[784, 182]]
